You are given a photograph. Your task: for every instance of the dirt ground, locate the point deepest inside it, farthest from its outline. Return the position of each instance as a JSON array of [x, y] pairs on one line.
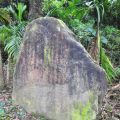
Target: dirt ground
[[111, 104]]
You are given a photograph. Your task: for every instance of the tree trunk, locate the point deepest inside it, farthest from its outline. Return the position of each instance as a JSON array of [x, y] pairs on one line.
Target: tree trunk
[[10, 71], [1, 72], [35, 9]]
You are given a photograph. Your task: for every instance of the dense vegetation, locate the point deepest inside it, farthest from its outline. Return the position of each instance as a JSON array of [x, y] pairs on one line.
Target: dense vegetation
[[86, 19]]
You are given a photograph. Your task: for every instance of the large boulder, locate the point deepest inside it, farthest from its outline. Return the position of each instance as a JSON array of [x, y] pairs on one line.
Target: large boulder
[[54, 72]]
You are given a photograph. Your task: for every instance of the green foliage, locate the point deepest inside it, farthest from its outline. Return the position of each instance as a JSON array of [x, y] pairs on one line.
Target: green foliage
[[112, 12], [110, 38], [64, 9], [12, 37], [117, 70], [107, 65], [84, 31], [112, 46], [18, 11]]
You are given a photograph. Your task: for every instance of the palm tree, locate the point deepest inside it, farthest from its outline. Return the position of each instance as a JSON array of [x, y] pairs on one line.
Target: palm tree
[[11, 34], [1, 71]]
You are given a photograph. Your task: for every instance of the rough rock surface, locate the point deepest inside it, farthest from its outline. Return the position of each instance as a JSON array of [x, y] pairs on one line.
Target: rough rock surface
[[54, 73]]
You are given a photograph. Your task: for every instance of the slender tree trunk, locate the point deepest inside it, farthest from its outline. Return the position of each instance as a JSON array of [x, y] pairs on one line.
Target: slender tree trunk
[[35, 9], [8, 71], [1, 72]]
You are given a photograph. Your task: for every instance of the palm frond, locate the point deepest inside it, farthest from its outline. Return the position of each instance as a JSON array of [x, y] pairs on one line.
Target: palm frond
[[20, 7], [13, 47], [117, 71], [107, 66], [12, 38], [4, 16], [5, 33]]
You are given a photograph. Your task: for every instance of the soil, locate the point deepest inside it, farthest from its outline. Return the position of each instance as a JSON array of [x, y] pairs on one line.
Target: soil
[[110, 109], [111, 104]]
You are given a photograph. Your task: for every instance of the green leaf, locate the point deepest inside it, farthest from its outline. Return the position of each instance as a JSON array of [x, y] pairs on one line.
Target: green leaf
[[104, 40], [107, 65]]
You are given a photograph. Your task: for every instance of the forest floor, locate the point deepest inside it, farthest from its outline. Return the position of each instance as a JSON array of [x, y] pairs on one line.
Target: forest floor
[[9, 111], [110, 109], [111, 104]]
